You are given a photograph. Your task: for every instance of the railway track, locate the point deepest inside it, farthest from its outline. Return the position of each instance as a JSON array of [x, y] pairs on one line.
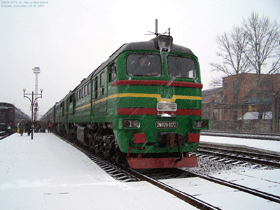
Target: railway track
[[5, 135], [182, 195], [245, 189], [230, 156], [128, 175], [154, 176], [262, 136], [251, 191]]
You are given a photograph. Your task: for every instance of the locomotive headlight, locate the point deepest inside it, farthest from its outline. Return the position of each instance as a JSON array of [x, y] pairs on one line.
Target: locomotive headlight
[[9, 127], [165, 43], [131, 123]]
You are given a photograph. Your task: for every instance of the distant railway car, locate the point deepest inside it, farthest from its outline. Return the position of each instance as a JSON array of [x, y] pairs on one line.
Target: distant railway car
[[49, 116], [10, 116], [142, 106]]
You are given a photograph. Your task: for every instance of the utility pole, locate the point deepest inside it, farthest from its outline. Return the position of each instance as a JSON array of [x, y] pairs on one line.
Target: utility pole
[[36, 71]]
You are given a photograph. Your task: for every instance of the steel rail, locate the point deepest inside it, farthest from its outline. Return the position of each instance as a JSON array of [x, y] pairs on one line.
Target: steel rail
[[248, 159], [6, 135], [258, 136], [187, 197], [242, 152], [255, 192], [182, 195], [138, 176]]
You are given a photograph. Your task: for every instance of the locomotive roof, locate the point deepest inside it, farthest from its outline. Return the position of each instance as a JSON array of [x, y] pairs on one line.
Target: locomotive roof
[[144, 45], [150, 45], [6, 105]]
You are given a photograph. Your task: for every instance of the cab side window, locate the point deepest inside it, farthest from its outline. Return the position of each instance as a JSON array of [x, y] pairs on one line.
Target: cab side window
[[112, 69], [95, 87], [102, 83], [81, 93], [62, 108], [89, 88]]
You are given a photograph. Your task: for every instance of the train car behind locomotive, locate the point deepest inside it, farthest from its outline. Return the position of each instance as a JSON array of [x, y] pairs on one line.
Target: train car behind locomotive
[[10, 116], [141, 106]]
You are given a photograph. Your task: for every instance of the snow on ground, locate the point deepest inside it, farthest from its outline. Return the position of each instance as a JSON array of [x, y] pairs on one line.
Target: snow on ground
[[47, 173], [221, 196], [262, 145], [260, 179]]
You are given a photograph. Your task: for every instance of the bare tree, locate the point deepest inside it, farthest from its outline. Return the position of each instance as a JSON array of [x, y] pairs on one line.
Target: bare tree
[[263, 46], [232, 47], [263, 43]]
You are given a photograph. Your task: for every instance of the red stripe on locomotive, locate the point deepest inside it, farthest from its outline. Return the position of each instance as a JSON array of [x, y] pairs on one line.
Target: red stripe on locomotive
[[153, 111], [158, 83]]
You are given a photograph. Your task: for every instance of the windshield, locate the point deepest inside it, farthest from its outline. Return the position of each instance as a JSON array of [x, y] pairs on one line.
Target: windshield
[[181, 67], [143, 65]]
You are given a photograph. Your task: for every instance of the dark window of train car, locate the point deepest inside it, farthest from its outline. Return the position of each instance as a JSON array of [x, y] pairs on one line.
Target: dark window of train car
[[143, 65], [85, 91], [112, 72], [81, 93], [62, 108], [102, 79], [95, 87], [181, 67], [89, 87], [102, 82], [71, 99]]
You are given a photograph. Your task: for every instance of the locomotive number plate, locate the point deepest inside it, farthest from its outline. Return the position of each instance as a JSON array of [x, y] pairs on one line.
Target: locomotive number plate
[[166, 125]]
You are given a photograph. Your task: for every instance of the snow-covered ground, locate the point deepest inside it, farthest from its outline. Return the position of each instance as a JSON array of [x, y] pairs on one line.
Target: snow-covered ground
[[261, 145], [47, 173]]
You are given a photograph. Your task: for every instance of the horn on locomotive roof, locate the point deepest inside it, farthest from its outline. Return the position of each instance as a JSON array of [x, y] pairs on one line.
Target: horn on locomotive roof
[[156, 30]]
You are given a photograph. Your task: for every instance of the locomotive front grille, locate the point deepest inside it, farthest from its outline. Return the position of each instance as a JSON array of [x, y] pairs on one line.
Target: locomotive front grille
[[166, 106]]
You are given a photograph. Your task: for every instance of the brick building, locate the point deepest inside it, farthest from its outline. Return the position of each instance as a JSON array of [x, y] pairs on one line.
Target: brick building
[[241, 94], [211, 103]]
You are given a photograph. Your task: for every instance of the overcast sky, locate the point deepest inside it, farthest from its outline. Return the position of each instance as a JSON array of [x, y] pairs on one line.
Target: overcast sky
[[68, 39]]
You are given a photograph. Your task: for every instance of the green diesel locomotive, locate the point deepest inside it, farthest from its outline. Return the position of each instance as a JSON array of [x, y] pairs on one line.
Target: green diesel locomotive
[[141, 107]]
